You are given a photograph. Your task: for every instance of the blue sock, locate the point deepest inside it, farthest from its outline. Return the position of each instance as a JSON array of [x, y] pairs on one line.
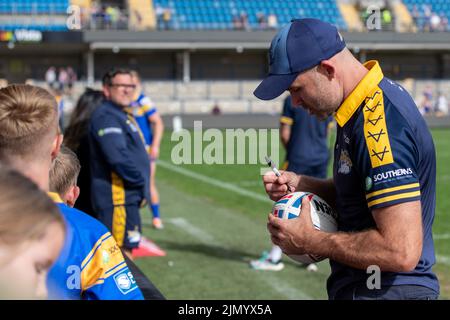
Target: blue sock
[[155, 210]]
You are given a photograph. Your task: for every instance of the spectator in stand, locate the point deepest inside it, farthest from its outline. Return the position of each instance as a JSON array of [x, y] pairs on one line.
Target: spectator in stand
[[444, 21], [114, 13], [426, 17], [237, 23], [435, 22], [415, 14], [167, 18], [244, 21], [50, 77], [71, 78], [387, 19], [62, 79], [96, 15], [272, 21], [262, 20]]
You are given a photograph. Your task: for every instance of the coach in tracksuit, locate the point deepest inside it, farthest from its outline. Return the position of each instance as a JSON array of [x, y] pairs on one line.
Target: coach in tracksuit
[[119, 162]]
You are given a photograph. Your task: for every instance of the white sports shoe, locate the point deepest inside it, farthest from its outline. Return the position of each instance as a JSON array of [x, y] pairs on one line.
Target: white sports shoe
[[312, 267], [264, 263]]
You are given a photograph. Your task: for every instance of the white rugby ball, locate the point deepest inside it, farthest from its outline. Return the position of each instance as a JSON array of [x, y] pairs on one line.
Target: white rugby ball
[[323, 217]]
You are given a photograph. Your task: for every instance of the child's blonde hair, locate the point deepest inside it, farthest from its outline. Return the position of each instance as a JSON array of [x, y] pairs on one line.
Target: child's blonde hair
[[64, 171]]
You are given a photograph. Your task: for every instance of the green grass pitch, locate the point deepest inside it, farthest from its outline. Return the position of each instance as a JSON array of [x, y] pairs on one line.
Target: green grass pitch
[[211, 233]]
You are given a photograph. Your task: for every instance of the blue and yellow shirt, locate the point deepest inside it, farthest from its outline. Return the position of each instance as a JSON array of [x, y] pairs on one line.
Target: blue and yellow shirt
[[90, 265], [142, 108], [384, 155]]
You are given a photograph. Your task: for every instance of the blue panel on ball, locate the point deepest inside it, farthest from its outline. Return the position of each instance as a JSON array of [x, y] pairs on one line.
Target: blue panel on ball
[[280, 214], [292, 216], [283, 201], [298, 202]]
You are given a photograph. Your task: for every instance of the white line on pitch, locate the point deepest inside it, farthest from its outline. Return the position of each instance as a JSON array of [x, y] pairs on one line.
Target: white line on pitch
[[214, 182], [194, 231], [283, 288]]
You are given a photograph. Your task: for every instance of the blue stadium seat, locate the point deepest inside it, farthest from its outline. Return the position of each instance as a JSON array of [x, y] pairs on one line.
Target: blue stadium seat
[[211, 14], [441, 7], [34, 7]]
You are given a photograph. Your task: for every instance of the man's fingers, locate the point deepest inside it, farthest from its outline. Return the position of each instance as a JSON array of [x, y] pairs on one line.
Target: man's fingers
[[305, 212], [269, 177], [274, 221]]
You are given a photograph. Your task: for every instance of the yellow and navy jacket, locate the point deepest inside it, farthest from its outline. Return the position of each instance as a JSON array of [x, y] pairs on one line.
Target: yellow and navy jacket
[[90, 265], [384, 155], [143, 108], [119, 161]]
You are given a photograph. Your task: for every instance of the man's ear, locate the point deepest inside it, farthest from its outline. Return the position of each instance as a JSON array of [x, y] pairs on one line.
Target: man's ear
[[72, 196], [57, 142], [106, 92], [327, 68]]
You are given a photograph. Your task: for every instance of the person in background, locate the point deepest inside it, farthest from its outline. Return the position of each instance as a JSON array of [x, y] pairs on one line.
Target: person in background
[[90, 261], [119, 162], [63, 176], [76, 139], [152, 128]]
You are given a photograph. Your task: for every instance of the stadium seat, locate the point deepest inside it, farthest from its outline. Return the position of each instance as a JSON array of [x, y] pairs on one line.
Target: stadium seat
[[218, 14], [20, 10]]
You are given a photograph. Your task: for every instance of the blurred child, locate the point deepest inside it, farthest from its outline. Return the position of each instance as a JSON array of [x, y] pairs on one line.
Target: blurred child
[[32, 234], [63, 176]]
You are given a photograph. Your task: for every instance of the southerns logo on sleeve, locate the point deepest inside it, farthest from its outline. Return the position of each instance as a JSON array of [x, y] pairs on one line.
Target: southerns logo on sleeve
[[388, 176], [125, 281], [393, 175]]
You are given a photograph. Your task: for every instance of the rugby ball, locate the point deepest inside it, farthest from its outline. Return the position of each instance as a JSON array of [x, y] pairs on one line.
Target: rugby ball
[[323, 217]]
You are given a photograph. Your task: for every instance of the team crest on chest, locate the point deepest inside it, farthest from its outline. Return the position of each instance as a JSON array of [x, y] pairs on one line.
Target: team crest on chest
[[345, 163]]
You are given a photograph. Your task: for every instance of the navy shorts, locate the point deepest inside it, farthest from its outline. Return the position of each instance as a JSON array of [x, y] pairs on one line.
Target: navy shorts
[[399, 292], [124, 222]]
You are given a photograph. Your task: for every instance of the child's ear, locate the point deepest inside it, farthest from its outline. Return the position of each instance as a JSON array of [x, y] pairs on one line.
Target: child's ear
[[72, 196]]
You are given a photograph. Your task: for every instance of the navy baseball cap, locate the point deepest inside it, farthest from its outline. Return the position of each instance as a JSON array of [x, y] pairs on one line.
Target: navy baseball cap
[[297, 47]]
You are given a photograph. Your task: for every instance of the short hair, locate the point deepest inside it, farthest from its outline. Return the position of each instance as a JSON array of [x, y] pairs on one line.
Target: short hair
[[25, 210], [64, 171], [27, 116], [107, 78]]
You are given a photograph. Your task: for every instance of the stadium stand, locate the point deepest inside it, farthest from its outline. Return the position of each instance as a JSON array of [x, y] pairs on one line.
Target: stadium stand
[[218, 14], [43, 15], [429, 15]]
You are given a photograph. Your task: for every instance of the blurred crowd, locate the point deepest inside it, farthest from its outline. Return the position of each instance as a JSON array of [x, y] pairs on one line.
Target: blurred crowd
[[430, 104], [428, 20]]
